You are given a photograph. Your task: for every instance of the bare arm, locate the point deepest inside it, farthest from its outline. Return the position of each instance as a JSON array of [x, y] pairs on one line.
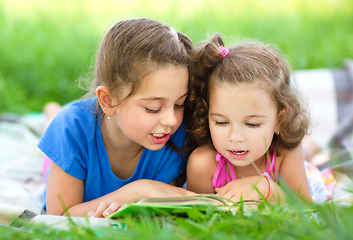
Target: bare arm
[[292, 170], [200, 170], [62, 186], [71, 190]]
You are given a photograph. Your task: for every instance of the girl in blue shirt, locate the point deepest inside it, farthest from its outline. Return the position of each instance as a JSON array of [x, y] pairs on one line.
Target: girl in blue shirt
[[122, 145]]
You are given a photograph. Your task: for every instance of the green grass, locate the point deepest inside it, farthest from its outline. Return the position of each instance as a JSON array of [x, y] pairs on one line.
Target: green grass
[[269, 222], [45, 46], [293, 220]]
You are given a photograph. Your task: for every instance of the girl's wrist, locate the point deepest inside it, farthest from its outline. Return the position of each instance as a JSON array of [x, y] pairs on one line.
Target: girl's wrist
[[136, 190]]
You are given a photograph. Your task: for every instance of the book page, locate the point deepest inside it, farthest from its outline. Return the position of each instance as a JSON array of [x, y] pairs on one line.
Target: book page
[[200, 199]]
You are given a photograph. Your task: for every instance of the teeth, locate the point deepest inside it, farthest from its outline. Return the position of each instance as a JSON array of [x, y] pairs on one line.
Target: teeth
[[158, 135], [239, 153]]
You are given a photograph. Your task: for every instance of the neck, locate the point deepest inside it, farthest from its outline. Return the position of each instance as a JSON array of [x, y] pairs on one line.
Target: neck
[[256, 168], [116, 142]]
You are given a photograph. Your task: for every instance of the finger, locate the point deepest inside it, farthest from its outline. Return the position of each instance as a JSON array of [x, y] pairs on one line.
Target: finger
[[90, 214], [113, 207], [101, 208], [221, 191], [123, 205], [235, 198], [225, 192], [228, 195]]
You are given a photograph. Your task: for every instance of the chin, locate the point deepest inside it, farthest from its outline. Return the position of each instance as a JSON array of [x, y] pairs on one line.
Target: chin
[[155, 147]]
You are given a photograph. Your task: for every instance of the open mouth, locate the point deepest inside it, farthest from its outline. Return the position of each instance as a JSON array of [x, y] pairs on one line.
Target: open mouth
[[158, 135], [160, 138], [238, 152]]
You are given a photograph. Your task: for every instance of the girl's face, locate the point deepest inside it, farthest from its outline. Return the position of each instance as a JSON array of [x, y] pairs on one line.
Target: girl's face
[[242, 121], [156, 110]]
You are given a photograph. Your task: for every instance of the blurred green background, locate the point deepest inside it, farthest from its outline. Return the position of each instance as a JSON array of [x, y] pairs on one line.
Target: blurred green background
[[45, 46]]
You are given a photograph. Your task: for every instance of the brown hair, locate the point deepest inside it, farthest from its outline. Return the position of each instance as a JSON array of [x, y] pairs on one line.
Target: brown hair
[[132, 49], [249, 62]]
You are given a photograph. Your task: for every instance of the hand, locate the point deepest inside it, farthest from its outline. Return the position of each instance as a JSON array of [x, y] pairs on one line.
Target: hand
[[159, 189], [244, 187], [135, 191], [107, 207]]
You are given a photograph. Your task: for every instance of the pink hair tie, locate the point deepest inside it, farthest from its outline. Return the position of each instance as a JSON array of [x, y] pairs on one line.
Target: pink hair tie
[[224, 51]]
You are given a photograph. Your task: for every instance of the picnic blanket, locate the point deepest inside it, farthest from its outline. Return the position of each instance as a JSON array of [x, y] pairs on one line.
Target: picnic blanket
[[21, 181]]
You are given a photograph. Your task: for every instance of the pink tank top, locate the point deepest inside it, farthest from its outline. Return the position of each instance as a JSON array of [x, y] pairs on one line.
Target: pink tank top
[[221, 177]]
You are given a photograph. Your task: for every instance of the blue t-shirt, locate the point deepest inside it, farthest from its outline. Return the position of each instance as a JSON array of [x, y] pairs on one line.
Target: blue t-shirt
[[74, 141]]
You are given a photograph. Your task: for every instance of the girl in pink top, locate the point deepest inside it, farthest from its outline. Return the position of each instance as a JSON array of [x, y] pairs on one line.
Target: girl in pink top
[[247, 124]]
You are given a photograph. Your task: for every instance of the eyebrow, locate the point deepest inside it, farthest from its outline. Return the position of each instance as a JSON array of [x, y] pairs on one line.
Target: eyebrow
[[153, 99], [250, 116], [256, 116], [159, 98], [216, 114]]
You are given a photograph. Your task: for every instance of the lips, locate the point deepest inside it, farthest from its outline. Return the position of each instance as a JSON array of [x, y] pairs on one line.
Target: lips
[[238, 154], [160, 138]]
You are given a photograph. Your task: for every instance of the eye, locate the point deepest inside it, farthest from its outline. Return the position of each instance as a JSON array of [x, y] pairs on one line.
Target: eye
[[253, 125], [221, 123], [153, 111], [179, 106]]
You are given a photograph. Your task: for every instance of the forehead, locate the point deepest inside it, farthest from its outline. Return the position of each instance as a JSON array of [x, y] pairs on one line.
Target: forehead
[[240, 97], [165, 81]]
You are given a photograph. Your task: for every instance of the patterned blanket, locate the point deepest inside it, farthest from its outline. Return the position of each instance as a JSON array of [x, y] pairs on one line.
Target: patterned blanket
[[330, 96], [21, 181]]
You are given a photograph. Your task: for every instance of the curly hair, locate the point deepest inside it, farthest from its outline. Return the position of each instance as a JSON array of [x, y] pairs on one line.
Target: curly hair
[[248, 62]]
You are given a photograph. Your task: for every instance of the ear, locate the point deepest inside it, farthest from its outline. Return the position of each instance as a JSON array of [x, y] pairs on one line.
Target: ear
[[105, 100], [279, 119]]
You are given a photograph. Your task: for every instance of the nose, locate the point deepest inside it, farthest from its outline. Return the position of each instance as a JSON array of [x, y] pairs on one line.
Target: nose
[[168, 118], [236, 135]]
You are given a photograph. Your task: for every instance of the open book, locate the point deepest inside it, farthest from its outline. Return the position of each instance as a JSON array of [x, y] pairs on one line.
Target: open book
[[177, 205]]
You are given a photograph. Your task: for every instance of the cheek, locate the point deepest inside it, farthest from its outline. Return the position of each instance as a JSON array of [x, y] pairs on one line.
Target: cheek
[[264, 141], [128, 125], [136, 120], [179, 114], [218, 134], [212, 131]]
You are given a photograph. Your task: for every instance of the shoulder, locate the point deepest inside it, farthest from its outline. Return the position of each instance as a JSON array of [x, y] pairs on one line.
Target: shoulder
[[79, 109], [200, 169], [203, 157], [77, 115], [296, 152], [203, 151], [70, 132], [290, 157]]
